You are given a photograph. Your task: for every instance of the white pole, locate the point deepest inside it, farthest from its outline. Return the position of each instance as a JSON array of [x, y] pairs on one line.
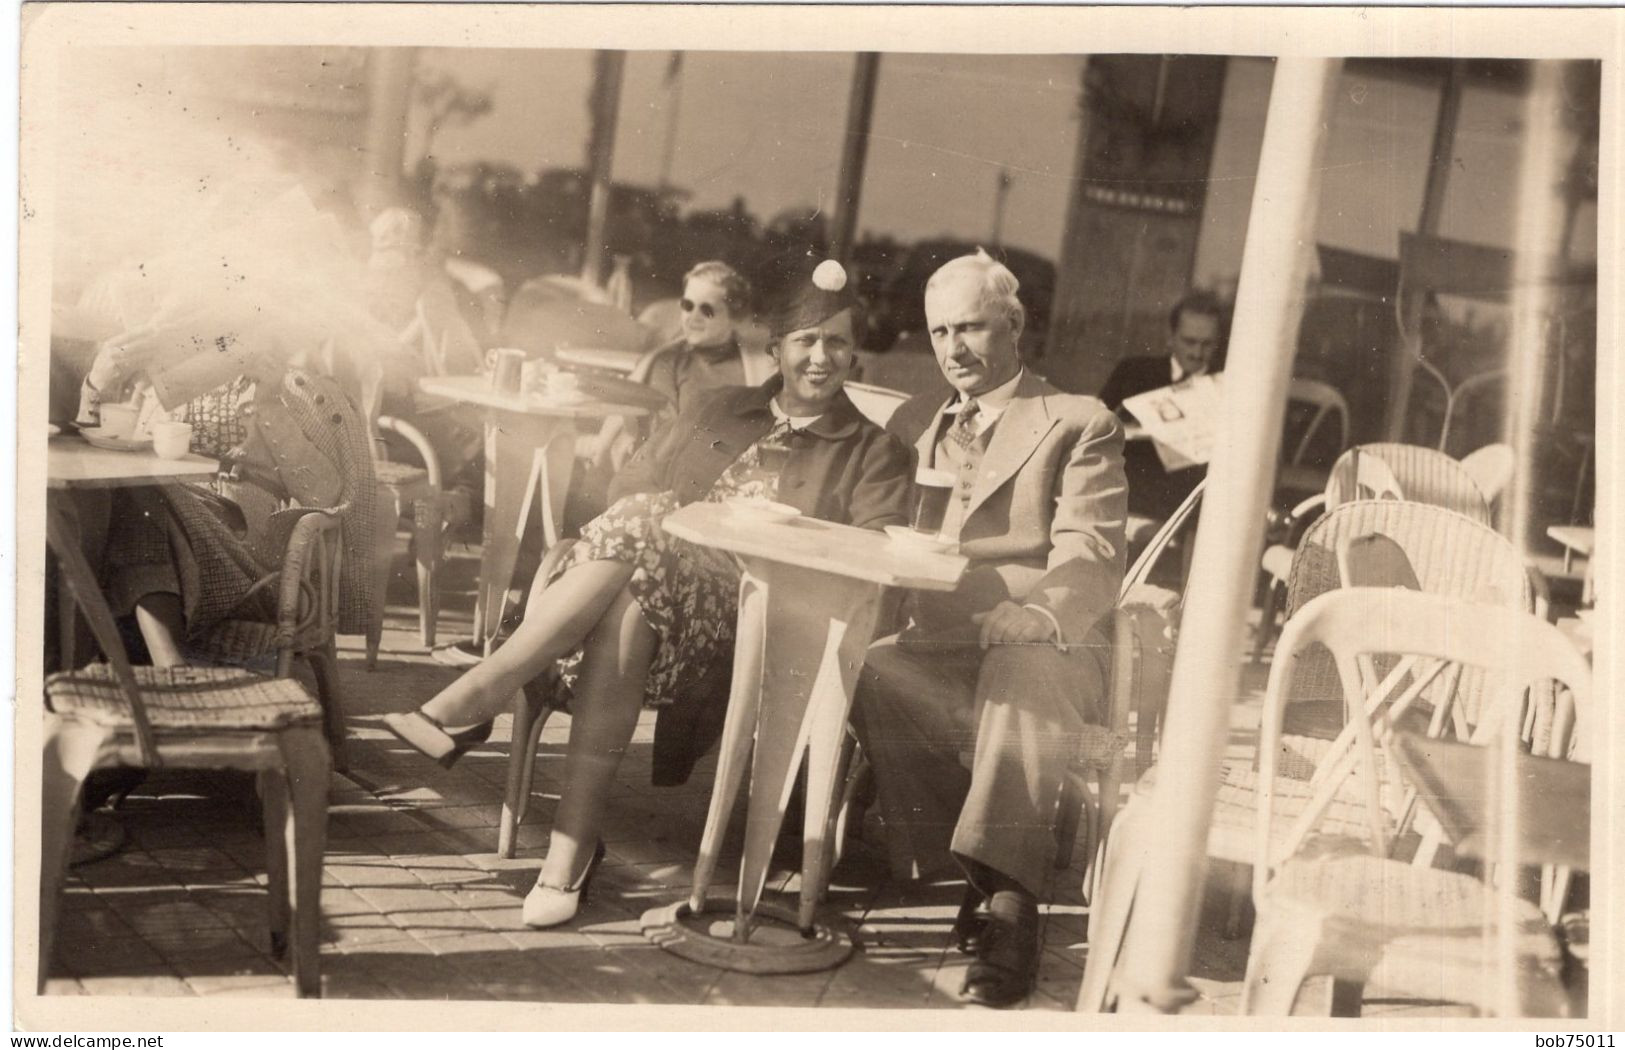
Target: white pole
[[1206, 676]]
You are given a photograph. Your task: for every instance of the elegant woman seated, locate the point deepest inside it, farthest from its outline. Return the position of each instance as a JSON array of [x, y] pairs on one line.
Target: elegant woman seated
[[633, 617]]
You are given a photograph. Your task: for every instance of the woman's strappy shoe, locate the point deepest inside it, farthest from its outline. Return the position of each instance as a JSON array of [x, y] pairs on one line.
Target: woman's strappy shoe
[[443, 745], [553, 905]]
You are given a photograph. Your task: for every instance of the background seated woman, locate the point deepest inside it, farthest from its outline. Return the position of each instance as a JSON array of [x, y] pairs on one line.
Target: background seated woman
[[633, 617], [182, 557]]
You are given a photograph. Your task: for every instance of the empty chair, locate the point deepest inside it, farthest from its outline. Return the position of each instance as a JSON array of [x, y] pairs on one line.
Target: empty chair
[[1323, 406], [1354, 914], [1491, 470], [114, 714]]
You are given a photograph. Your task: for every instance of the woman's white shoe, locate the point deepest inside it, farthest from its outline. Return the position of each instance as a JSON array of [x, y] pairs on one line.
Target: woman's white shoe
[[556, 905]]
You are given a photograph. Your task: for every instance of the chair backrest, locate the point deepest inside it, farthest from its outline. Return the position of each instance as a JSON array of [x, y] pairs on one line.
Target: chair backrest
[[876, 402], [1423, 475], [1446, 553], [1432, 634], [1326, 402], [1490, 468], [87, 596]]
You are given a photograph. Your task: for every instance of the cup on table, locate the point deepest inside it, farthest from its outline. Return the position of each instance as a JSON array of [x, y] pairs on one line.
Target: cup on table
[[507, 370], [171, 439], [559, 383], [774, 457], [932, 490], [118, 421]]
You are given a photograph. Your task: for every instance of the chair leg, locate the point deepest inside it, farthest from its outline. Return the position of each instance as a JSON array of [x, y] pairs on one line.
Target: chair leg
[[304, 837], [389, 517], [1109, 911], [528, 720], [1237, 891], [427, 523], [70, 754], [1073, 794], [273, 789], [1266, 618], [1281, 958], [324, 664]]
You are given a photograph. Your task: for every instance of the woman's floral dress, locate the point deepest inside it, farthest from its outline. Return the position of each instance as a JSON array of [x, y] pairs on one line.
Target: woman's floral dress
[[688, 594]]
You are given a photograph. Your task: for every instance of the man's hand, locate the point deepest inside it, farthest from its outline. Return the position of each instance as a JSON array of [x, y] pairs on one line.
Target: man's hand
[[1008, 623]]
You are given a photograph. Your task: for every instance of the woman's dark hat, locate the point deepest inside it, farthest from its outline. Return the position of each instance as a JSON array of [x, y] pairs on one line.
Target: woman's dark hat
[[805, 291]]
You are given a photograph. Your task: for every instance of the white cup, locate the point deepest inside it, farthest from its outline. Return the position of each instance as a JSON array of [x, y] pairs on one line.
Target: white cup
[[171, 440], [562, 384], [118, 421]]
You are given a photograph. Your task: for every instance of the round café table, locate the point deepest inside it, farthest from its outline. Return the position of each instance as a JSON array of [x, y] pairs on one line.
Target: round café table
[[72, 463], [529, 452], [808, 600]]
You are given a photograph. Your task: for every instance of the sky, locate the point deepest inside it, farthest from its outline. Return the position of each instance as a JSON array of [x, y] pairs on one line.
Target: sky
[[768, 127]]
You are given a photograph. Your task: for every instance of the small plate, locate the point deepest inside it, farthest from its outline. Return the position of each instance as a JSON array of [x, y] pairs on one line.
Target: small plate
[[904, 536], [762, 510], [55, 430], [113, 444]]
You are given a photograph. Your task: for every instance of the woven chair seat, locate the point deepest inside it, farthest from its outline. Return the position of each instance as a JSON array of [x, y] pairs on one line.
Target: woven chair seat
[[1232, 830], [1098, 746], [1434, 929], [198, 699], [399, 475]]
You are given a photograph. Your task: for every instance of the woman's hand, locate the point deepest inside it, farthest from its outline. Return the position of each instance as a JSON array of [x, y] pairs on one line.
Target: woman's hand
[[112, 374]]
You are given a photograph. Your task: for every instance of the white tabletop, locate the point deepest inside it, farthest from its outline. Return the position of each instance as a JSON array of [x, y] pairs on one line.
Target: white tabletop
[[476, 390], [1578, 538], [841, 550], [72, 462]]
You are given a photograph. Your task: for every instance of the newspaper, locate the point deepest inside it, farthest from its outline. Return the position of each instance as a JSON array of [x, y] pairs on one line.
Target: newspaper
[[1180, 419]]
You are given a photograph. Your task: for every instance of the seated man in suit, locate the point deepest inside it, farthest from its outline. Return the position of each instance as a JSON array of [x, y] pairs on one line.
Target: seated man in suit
[[1195, 346], [1010, 666]]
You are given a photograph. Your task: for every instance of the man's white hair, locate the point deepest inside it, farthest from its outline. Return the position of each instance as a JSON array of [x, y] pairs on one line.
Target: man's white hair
[[999, 286]]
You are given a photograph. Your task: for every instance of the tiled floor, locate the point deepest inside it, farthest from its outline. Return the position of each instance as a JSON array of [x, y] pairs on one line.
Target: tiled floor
[[416, 904]]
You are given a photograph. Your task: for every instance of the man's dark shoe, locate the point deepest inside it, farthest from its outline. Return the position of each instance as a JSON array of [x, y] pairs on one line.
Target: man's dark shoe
[[971, 922], [1006, 965]]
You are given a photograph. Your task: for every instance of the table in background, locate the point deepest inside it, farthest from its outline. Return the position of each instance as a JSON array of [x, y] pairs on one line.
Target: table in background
[[1581, 540], [72, 463], [808, 600], [529, 449]]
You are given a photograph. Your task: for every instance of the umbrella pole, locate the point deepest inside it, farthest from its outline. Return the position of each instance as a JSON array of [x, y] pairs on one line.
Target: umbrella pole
[[1206, 676]]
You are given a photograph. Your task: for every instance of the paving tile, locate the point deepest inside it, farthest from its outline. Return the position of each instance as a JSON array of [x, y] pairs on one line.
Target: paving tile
[[138, 986]]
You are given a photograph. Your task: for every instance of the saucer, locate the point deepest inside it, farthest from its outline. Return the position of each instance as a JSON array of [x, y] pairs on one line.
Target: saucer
[[115, 444], [762, 510], [904, 536]]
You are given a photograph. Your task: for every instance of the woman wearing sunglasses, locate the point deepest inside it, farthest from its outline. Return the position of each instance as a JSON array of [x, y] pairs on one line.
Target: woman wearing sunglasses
[[634, 618], [708, 354]]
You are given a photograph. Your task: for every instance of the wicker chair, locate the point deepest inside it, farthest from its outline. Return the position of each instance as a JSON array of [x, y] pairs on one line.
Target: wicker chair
[[401, 485], [1324, 403], [1375, 471], [307, 600], [1386, 542], [195, 718], [1423, 931], [1142, 631]]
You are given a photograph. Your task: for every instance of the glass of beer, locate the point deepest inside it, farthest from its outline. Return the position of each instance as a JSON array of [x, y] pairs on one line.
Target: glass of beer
[[932, 490], [507, 370]]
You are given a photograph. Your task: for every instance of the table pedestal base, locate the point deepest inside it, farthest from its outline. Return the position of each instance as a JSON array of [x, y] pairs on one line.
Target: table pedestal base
[[777, 943]]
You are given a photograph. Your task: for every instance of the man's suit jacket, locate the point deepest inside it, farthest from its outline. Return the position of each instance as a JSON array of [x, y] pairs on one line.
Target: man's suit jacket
[[1045, 520]]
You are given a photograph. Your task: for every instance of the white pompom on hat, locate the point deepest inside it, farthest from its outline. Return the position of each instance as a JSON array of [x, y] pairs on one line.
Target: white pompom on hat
[[807, 295], [830, 276]]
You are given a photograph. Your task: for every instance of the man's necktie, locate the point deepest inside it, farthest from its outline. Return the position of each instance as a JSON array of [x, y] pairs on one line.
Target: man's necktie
[[964, 428]]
